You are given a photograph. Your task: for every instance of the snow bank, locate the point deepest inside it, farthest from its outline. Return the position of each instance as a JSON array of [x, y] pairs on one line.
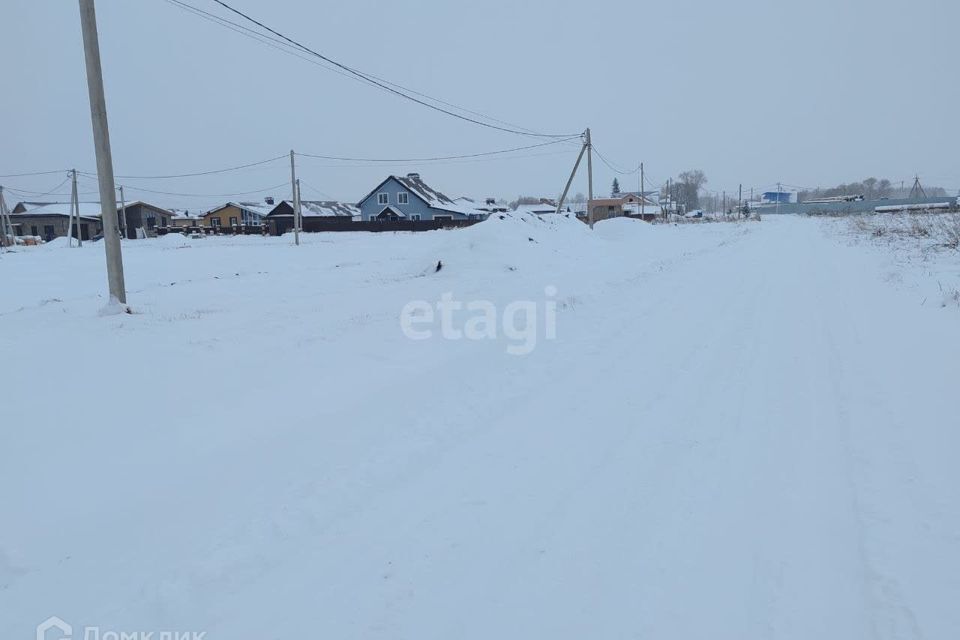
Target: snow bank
[[623, 229]]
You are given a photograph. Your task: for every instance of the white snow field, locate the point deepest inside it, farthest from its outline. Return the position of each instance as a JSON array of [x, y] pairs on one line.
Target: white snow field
[[739, 431]]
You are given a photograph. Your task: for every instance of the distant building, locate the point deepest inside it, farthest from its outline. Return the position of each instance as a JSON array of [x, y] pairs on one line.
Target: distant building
[[317, 215], [631, 204], [145, 216], [410, 198], [543, 208], [49, 220], [783, 197], [233, 214]]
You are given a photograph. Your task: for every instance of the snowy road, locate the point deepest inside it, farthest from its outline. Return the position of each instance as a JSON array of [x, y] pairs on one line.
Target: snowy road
[[739, 432]]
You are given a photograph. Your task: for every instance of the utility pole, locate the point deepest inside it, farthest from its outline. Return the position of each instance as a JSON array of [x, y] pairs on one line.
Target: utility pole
[[101, 139], [669, 198], [123, 214], [740, 201], [778, 197], [73, 196], [576, 166], [589, 144], [6, 226], [74, 224], [724, 203], [643, 198], [296, 206], [299, 212]]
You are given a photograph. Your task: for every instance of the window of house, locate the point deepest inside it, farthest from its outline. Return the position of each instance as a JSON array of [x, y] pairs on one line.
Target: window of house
[[163, 221], [151, 222], [34, 231], [214, 222], [383, 198], [403, 198], [415, 216], [233, 221]]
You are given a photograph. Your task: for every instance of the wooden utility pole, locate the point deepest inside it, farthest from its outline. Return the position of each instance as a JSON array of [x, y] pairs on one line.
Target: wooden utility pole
[[740, 201], [566, 189], [101, 139], [293, 187], [589, 144]]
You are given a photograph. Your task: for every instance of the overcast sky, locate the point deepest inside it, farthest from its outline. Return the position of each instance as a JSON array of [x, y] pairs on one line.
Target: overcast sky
[[751, 91]]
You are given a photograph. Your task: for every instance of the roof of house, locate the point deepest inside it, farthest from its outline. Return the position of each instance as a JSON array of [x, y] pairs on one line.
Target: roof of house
[[87, 209], [536, 208], [258, 208], [325, 209]]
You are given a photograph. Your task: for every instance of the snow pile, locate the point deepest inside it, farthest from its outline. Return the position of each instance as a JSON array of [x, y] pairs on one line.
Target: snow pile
[[623, 229]]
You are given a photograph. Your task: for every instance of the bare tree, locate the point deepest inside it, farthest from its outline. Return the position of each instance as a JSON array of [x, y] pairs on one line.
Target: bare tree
[[688, 188]]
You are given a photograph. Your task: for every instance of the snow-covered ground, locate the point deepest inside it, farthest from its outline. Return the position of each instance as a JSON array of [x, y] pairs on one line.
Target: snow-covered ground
[[920, 251], [738, 431]]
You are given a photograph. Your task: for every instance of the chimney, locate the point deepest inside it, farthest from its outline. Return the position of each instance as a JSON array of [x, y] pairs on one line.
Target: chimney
[[413, 176], [268, 199]]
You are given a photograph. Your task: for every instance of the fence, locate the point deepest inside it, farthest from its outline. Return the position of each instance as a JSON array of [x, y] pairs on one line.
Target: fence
[[279, 226]]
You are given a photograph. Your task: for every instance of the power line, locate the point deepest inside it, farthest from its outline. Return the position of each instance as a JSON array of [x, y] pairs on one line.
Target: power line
[[207, 195], [439, 158], [32, 173], [39, 194], [390, 87], [610, 165], [284, 47], [198, 173]]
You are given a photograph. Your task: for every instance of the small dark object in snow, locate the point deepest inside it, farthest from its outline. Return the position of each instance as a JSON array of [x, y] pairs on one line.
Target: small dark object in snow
[[529, 239], [439, 266], [503, 217]]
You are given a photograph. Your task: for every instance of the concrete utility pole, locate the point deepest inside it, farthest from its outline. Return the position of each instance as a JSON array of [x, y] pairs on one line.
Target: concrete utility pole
[[74, 224], [589, 178], [101, 139], [299, 211], [643, 197], [123, 214], [6, 226], [566, 189], [296, 207]]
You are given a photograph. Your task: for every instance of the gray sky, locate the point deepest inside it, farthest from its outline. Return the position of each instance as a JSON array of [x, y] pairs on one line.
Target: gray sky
[[750, 91]]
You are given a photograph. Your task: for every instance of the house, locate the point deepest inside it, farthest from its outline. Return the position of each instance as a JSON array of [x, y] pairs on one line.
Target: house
[[182, 219], [316, 215], [410, 198], [142, 215], [485, 206], [49, 220], [623, 204], [234, 214], [544, 207]]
